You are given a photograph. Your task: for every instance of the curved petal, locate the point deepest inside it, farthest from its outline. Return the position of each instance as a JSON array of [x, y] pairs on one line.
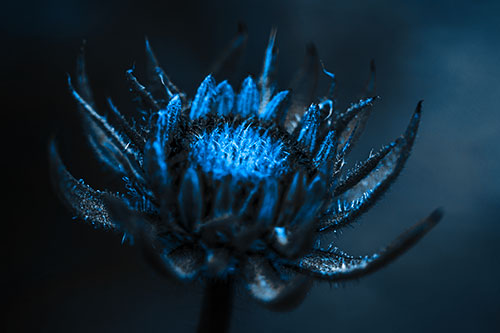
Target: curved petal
[[110, 146], [336, 265], [366, 185], [307, 131], [142, 92], [159, 80], [87, 203], [278, 290], [276, 108]]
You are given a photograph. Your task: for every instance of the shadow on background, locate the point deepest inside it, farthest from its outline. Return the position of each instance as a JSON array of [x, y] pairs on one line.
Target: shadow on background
[[63, 276]]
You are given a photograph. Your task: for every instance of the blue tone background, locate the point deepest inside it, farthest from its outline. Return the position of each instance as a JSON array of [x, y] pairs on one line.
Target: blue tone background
[[62, 276]]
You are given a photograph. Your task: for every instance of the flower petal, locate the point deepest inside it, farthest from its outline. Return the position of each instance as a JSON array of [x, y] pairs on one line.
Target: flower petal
[[87, 203], [350, 124], [224, 98], [296, 237], [110, 146], [135, 137], [276, 108], [190, 199], [278, 290], [308, 128], [361, 193], [335, 266], [148, 101], [203, 100], [160, 81], [268, 71], [185, 261], [247, 103]]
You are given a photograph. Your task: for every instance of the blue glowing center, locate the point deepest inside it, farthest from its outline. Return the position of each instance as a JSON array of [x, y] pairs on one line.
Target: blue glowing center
[[242, 152]]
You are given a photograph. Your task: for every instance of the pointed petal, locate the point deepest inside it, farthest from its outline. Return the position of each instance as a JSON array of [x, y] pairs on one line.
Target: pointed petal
[[268, 71], [325, 157], [363, 170], [340, 266], [109, 145], [158, 148], [157, 76], [203, 100], [224, 98], [350, 124], [364, 193], [145, 96], [308, 128], [135, 137], [278, 290], [276, 108], [247, 102], [85, 202], [82, 81], [168, 121]]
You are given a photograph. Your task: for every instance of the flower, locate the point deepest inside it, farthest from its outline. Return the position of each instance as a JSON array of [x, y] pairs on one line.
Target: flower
[[237, 185]]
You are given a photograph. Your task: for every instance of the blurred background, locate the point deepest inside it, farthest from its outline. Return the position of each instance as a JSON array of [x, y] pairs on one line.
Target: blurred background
[[60, 275]]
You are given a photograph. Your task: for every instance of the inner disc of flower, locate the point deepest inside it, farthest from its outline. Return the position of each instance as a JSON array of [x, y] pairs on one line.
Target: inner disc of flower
[[242, 152]]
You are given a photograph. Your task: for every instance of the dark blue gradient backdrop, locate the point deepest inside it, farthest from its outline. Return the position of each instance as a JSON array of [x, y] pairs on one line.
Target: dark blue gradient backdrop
[[60, 275]]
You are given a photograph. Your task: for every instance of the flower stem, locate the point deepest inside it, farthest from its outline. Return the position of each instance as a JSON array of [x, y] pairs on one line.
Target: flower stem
[[217, 307]]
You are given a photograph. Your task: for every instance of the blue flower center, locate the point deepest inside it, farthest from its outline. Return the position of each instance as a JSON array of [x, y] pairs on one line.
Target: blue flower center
[[242, 152]]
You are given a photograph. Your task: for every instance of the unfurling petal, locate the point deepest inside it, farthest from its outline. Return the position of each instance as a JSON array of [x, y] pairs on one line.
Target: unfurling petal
[[336, 266], [360, 190]]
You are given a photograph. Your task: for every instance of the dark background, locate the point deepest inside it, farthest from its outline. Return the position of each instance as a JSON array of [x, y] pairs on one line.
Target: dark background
[[60, 275]]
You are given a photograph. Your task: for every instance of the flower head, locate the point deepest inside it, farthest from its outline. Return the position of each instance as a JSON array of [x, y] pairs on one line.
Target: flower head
[[237, 185]]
